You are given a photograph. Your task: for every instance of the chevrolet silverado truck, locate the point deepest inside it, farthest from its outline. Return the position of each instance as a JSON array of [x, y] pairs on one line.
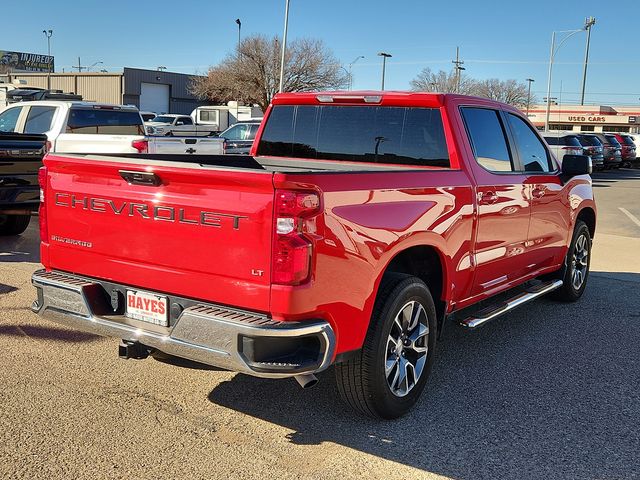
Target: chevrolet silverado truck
[[20, 159], [359, 226]]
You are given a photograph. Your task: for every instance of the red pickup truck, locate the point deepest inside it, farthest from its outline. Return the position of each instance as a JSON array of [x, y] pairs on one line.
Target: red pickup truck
[[360, 223]]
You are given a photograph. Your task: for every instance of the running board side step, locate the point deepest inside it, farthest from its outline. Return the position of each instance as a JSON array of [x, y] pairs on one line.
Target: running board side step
[[494, 311]]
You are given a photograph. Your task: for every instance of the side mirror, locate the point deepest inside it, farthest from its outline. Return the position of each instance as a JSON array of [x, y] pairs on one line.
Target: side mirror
[[573, 165]]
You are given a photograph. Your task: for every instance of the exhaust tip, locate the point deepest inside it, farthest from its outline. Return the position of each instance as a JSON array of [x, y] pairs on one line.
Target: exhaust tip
[[306, 380]]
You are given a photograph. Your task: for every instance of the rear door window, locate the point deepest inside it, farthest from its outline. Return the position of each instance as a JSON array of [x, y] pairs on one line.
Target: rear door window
[[39, 119], [488, 139], [531, 149], [9, 119], [107, 122], [390, 135]]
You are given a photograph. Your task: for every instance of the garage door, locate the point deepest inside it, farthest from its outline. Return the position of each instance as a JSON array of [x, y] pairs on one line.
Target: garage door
[[154, 97]]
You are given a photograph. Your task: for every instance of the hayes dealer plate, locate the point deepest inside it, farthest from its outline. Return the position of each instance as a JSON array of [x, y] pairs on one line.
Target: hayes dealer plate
[[147, 307]]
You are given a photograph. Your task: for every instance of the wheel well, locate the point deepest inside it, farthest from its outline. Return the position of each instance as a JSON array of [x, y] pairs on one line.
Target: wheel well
[[588, 216], [424, 262]]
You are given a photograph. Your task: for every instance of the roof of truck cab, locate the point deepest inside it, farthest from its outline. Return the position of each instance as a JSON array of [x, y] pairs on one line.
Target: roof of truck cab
[[377, 97], [74, 103]]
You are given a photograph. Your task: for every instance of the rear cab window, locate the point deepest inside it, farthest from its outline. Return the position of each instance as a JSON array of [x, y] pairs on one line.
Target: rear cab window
[[39, 119], [488, 139], [104, 121], [372, 134]]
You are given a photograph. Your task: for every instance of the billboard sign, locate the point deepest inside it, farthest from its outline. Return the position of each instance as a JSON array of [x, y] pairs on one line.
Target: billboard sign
[[26, 62]]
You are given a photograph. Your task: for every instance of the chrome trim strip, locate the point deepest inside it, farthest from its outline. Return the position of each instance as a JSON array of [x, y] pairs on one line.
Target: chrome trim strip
[[200, 333]]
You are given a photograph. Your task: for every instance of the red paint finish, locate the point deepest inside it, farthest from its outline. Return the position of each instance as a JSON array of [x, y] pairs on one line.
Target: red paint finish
[[490, 232]]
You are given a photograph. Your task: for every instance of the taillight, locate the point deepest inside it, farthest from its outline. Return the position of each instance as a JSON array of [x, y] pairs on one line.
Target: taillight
[[292, 250], [42, 211], [142, 146], [573, 150]]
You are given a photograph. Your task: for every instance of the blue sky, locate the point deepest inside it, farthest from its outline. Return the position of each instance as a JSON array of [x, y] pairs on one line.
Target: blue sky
[[503, 39]]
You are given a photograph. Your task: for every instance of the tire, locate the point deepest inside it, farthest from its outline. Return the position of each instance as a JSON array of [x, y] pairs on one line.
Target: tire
[[576, 261], [13, 224], [362, 381]]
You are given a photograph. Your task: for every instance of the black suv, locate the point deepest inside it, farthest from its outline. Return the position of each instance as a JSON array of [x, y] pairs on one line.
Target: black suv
[[593, 147], [611, 148]]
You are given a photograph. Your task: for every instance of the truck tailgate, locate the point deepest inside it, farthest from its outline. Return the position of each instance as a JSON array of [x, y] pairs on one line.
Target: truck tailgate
[[202, 232]]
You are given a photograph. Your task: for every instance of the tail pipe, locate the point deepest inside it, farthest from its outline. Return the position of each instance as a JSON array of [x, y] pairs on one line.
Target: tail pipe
[[306, 380]]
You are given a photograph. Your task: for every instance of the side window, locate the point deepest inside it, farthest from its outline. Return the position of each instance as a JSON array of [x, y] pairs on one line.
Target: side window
[[488, 139], [234, 133], [9, 119], [187, 121], [532, 152], [39, 119], [253, 131]]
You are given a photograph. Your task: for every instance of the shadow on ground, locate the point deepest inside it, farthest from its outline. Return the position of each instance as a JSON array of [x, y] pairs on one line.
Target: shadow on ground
[[47, 333], [609, 177], [549, 391], [22, 248]]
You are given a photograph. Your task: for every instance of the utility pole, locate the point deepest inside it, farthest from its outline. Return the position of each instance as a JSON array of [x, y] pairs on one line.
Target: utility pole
[[458, 66], [79, 67], [284, 45], [384, 56], [530, 80], [588, 23]]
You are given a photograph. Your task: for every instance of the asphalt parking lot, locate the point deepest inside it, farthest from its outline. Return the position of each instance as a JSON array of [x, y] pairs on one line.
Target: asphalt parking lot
[[549, 391]]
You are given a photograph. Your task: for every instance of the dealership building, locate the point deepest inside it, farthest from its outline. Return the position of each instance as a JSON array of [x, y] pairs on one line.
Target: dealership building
[[150, 90], [587, 118]]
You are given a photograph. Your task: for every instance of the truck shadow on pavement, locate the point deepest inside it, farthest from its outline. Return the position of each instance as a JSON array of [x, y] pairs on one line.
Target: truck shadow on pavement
[[607, 178], [22, 248], [549, 391], [47, 333]]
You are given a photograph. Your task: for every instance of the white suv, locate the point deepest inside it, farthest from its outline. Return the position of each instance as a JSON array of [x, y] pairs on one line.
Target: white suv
[[78, 127]]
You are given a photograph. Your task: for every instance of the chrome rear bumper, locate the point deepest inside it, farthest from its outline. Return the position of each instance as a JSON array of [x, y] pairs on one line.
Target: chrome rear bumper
[[211, 334]]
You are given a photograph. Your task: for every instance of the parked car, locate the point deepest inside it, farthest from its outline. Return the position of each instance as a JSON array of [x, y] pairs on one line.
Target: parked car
[[20, 159], [593, 147], [357, 227], [171, 124], [239, 137], [147, 116], [77, 127], [568, 143], [628, 148], [612, 150]]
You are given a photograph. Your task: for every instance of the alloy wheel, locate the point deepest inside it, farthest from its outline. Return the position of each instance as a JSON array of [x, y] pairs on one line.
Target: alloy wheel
[[580, 262], [407, 347]]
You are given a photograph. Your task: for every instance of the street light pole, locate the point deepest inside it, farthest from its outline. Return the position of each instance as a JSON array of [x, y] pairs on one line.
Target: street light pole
[[588, 23], [48, 34], [384, 56], [552, 54], [351, 74], [239, 27], [284, 44], [530, 80]]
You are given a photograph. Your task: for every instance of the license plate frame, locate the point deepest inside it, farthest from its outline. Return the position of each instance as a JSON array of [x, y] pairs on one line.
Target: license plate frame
[[147, 307]]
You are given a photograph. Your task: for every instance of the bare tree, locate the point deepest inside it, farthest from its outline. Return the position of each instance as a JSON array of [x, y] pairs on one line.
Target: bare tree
[[506, 91], [252, 73], [441, 81]]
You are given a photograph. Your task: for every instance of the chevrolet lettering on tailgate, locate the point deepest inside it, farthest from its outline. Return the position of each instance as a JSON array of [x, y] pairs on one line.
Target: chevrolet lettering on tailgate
[[152, 212]]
